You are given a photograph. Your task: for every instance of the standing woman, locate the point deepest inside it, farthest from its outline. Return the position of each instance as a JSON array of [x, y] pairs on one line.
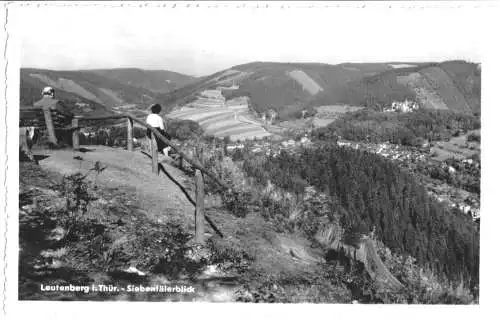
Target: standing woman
[[156, 121]]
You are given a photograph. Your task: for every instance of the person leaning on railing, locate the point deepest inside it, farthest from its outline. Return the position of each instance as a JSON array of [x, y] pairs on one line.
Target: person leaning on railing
[[156, 121], [49, 103]]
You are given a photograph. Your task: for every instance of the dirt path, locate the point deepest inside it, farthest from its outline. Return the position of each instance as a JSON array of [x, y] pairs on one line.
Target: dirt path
[[128, 170]]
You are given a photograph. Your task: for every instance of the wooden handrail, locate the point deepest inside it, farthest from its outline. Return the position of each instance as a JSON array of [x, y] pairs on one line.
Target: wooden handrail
[[188, 159], [74, 126], [191, 161], [200, 208]]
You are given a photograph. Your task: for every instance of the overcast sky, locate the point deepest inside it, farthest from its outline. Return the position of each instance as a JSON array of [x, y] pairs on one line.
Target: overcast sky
[[201, 41]]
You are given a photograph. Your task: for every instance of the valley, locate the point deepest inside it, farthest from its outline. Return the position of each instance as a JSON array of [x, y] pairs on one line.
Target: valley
[[311, 155]]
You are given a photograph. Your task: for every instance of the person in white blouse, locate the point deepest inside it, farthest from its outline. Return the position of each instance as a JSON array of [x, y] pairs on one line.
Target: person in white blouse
[[156, 121]]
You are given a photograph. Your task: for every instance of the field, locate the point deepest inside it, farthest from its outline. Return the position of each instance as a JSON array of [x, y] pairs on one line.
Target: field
[[324, 116], [221, 118], [457, 147], [327, 114]]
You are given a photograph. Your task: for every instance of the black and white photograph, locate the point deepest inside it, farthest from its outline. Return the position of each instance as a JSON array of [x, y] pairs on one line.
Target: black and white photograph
[[218, 152]]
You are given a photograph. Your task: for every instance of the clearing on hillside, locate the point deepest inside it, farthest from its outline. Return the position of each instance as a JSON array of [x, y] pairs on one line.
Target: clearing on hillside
[[306, 81], [425, 92], [444, 85], [67, 85]]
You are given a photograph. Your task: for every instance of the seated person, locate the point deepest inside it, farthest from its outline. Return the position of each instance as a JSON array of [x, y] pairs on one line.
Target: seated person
[[156, 121]]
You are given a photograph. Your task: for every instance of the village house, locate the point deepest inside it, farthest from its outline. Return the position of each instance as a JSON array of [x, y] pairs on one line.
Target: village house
[[451, 170], [403, 106], [305, 140], [464, 208], [476, 215]]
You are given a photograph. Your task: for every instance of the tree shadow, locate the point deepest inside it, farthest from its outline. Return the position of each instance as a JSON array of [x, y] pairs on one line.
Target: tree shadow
[[84, 150], [41, 157]]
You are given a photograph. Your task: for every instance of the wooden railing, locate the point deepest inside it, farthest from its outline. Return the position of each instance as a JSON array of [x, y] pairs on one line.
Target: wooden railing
[[130, 128], [31, 116]]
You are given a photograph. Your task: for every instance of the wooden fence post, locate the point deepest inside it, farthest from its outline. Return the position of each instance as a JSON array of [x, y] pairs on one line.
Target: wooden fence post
[[51, 132], [130, 135], [200, 208], [76, 133], [154, 154]]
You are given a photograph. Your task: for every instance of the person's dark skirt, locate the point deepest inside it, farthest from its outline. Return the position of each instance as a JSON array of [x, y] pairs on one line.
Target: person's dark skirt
[[160, 144]]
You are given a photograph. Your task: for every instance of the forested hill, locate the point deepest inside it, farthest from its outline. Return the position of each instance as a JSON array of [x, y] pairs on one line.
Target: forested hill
[[100, 89], [410, 129], [291, 87], [286, 87], [159, 81], [370, 192], [454, 85]]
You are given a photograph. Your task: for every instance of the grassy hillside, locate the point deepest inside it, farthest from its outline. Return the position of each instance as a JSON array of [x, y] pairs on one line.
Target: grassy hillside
[[94, 226], [161, 81]]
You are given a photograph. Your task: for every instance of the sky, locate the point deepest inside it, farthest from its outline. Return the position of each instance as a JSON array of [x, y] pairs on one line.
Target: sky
[[203, 40]]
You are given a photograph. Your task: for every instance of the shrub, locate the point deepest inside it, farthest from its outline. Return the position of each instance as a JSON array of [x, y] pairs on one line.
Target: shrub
[[474, 137], [75, 188], [175, 262], [183, 129], [237, 201], [237, 155], [78, 196], [222, 252], [278, 209]]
